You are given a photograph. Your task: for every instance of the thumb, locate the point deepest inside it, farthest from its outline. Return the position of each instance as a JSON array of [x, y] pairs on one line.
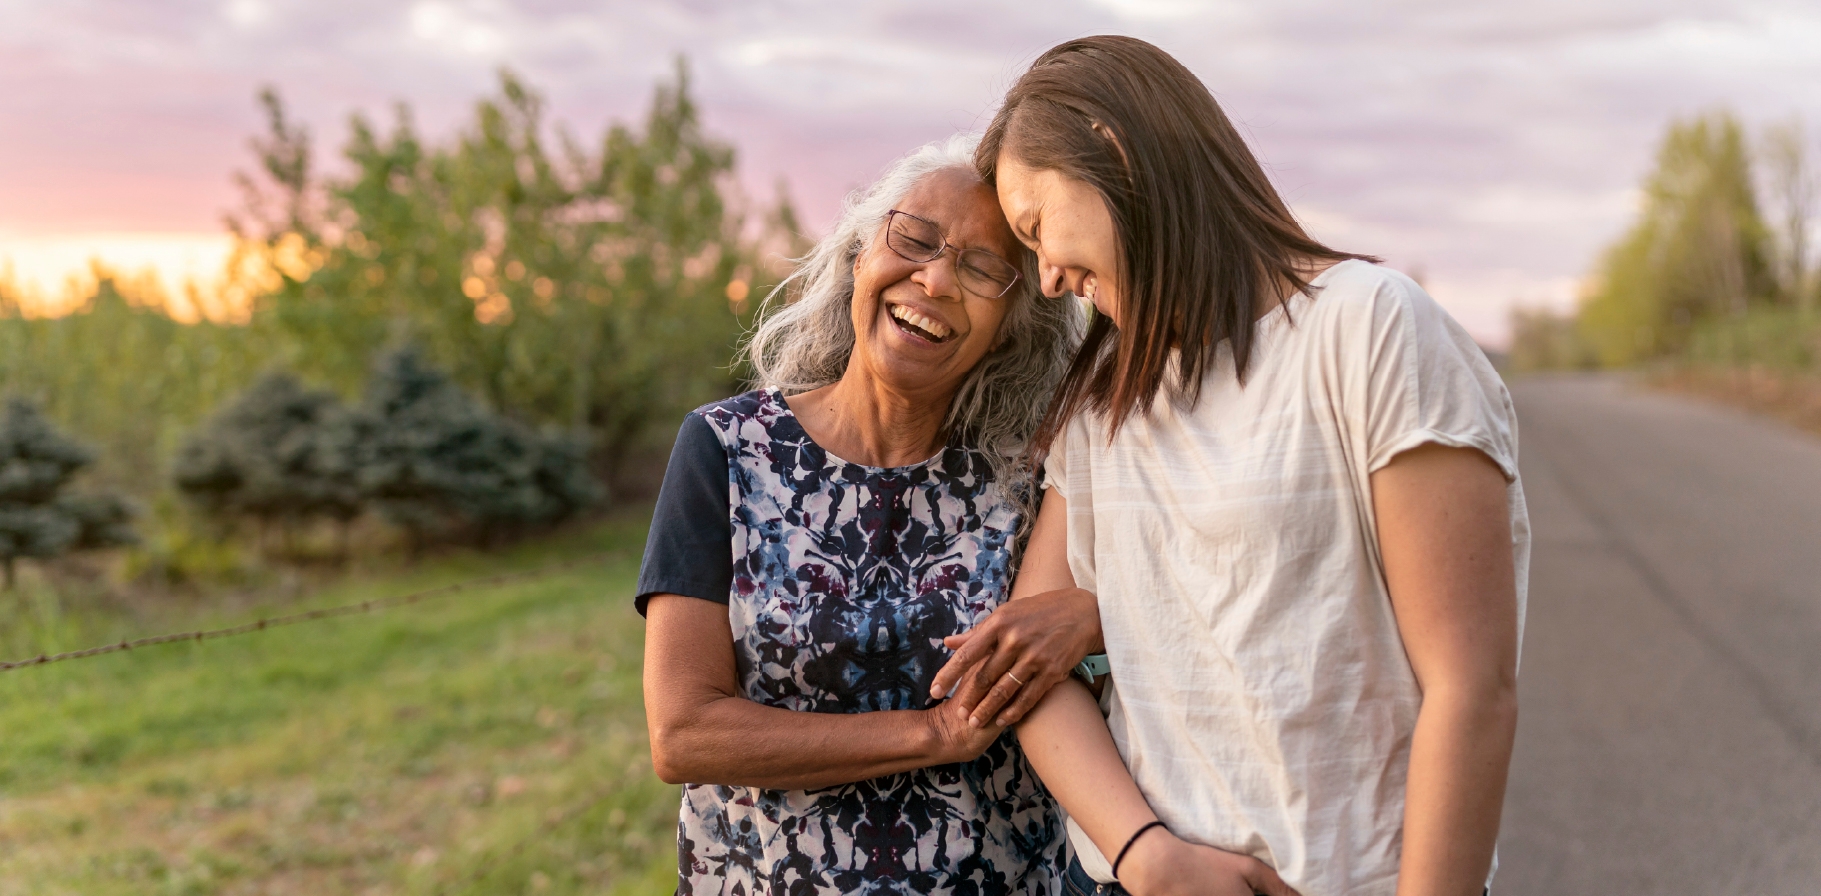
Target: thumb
[[955, 666], [1267, 882]]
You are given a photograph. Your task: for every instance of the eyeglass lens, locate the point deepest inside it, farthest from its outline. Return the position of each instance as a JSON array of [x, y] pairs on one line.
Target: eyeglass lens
[[982, 272]]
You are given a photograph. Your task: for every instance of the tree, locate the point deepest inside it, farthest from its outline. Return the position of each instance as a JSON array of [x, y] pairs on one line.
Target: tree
[[1542, 339], [440, 465], [278, 453], [593, 289], [1698, 250], [1793, 191], [37, 517]]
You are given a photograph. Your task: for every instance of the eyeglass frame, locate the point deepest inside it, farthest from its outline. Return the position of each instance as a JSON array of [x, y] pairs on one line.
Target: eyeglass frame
[[943, 248]]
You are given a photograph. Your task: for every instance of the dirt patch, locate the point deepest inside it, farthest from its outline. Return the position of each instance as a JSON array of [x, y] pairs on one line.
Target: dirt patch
[[1791, 396]]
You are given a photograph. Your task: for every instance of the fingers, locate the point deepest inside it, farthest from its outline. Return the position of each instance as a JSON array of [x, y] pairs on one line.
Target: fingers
[[1264, 879], [1005, 688], [1027, 697], [978, 645], [964, 740], [988, 675]]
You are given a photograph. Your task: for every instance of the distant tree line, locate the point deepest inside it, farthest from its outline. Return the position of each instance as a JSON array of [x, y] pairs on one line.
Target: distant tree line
[[563, 301], [1722, 239], [597, 288]]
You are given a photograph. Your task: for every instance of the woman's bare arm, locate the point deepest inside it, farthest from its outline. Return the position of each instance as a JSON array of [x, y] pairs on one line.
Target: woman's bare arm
[[1445, 532], [1004, 665], [1067, 742], [704, 732]]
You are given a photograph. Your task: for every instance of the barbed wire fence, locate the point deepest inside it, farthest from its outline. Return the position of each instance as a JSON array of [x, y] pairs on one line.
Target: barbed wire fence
[[495, 858], [365, 606]]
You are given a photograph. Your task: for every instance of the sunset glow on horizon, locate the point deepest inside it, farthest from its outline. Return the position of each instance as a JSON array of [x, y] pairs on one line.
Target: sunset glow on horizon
[[51, 275], [1495, 150]]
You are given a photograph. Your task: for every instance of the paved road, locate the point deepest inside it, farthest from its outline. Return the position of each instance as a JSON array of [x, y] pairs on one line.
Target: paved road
[[1670, 739]]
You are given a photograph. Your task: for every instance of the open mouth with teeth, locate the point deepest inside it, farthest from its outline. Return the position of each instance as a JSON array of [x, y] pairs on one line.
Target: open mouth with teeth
[[909, 321]]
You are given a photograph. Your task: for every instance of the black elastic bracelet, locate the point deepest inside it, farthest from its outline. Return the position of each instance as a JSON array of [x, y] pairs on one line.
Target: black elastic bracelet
[[1128, 845]]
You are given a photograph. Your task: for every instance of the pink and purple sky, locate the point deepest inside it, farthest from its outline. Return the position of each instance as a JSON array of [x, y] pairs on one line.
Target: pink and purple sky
[[1494, 147]]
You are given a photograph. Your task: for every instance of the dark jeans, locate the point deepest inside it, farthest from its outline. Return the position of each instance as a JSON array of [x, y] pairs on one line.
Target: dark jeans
[[1077, 883]]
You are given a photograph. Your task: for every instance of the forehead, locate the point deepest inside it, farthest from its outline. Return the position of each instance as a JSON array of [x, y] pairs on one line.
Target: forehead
[[1022, 189], [967, 210]]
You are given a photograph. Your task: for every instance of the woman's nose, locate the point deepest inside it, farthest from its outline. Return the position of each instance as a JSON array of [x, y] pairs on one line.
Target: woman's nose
[[1049, 277], [938, 277]]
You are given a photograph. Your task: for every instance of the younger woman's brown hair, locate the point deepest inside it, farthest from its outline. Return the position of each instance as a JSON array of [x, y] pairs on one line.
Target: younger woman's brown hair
[[1206, 243]]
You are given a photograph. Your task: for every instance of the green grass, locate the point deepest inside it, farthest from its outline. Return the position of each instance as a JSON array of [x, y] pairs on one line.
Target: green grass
[[1780, 339], [491, 741]]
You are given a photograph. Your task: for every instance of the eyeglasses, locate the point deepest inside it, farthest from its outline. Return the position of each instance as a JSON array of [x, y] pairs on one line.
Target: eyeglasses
[[980, 272]]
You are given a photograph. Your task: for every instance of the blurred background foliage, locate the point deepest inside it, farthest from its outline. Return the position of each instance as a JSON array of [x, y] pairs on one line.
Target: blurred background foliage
[[589, 288], [442, 344], [1715, 276], [576, 296]]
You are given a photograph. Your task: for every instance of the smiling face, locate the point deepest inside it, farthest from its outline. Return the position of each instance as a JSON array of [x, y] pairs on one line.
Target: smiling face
[[916, 328], [1066, 222]]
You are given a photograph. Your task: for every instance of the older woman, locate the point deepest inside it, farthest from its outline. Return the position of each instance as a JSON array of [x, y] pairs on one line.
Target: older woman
[[816, 540]]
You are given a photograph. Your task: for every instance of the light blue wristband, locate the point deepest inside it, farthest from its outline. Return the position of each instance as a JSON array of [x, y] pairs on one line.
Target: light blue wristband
[[1093, 666]]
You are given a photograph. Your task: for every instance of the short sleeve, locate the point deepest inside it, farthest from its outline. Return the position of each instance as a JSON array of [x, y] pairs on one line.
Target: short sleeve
[[1428, 382], [1056, 466], [689, 550]]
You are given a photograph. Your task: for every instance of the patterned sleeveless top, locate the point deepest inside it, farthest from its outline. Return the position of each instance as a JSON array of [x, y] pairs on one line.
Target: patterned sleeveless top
[[845, 580]]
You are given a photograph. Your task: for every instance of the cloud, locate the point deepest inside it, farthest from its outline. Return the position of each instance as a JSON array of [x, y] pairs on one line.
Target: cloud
[[1494, 146]]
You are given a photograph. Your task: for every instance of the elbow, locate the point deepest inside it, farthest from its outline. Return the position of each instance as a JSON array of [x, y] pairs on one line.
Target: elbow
[[1501, 697], [1505, 705], [1489, 706], [670, 764], [692, 739], [1497, 713], [672, 756], [667, 772]]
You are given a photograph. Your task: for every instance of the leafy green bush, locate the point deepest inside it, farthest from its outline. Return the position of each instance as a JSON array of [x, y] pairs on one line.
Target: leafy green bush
[[597, 289], [420, 450], [1777, 338], [437, 463], [278, 453], [37, 517]]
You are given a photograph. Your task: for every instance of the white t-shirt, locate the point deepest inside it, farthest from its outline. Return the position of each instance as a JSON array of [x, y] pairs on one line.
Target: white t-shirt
[[1261, 695]]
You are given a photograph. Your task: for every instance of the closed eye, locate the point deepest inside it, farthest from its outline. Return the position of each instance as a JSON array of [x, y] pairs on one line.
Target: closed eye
[[1028, 239]]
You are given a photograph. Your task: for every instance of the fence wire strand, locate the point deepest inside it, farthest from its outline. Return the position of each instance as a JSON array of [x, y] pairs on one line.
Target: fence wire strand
[[365, 606]]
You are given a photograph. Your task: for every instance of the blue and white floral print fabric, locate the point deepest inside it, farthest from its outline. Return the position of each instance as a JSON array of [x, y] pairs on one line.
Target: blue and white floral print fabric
[[846, 578]]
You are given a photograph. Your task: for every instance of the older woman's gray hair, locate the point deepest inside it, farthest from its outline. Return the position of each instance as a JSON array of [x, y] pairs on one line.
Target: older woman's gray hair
[[804, 344]]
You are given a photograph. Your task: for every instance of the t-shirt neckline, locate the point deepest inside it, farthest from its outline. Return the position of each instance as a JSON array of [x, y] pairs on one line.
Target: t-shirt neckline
[[837, 460]]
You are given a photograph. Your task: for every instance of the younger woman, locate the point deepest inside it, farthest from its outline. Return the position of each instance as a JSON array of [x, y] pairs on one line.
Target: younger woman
[[1290, 481]]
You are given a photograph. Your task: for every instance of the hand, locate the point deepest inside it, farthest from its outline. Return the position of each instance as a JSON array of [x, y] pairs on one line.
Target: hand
[[957, 740], [1162, 864], [1036, 639]]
